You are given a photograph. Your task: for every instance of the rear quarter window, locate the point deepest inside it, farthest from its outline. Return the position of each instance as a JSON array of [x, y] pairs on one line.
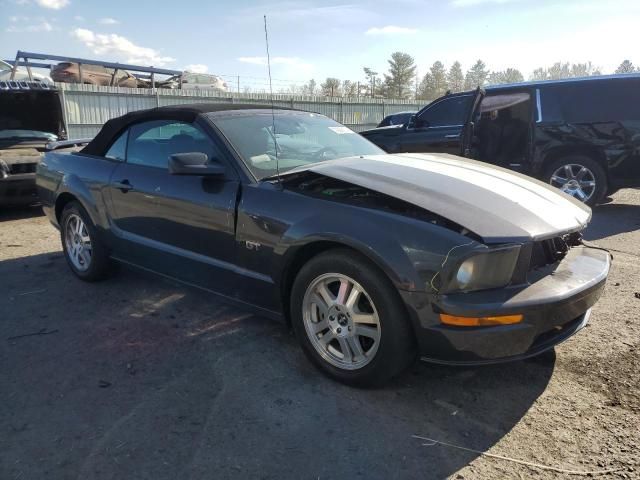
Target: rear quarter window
[[591, 101]]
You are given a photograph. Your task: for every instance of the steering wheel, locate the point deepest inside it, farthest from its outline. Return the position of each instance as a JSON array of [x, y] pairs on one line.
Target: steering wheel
[[326, 153]]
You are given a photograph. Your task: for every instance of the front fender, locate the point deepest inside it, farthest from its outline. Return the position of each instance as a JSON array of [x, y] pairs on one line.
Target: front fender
[[408, 251]]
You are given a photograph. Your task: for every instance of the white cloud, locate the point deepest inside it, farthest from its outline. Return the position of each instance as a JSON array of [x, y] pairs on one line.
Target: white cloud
[[120, 47], [474, 3], [108, 21], [196, 68], [285, 67], [26, 24], [274, 60], [78, 18], [53, 4], [391, 30]]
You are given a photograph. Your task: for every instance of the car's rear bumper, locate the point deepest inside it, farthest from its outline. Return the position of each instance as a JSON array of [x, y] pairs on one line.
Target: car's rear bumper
[[555, 305], [18, 189]]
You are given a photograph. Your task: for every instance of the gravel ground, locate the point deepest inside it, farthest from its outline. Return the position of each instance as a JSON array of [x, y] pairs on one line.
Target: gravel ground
[[137, 377]]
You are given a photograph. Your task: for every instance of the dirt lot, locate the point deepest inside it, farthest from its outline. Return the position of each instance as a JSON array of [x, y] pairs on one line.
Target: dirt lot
[[137, 377]]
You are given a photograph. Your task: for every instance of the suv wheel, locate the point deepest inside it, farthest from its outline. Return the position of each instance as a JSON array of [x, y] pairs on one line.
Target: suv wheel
[[579, 176], [349, 319]]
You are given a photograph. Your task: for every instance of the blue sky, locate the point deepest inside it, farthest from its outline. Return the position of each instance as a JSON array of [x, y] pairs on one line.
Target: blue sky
[[316, 39]]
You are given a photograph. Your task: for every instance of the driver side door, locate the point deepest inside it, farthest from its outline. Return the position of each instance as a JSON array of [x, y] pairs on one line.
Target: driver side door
[[439, 126], [178, 225]]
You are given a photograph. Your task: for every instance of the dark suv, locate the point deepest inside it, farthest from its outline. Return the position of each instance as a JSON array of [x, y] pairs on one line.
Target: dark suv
[[581, 135]]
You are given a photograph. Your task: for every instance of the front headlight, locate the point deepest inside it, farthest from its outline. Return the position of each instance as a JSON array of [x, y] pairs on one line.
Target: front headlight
[[465, 273], [491, 269]]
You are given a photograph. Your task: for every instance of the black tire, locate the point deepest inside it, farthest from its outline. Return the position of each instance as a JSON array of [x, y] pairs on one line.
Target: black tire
[[99, 264], [598, 173], [396, 349]]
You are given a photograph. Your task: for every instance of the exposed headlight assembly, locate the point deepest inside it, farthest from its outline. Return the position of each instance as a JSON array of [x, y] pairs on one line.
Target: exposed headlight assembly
[[490, 269]]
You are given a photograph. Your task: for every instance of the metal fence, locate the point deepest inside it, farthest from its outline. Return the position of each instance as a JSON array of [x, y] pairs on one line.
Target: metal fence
[[87, 107]]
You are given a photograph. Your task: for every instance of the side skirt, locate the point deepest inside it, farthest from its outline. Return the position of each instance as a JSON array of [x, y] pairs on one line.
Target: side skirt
[[224, 298]]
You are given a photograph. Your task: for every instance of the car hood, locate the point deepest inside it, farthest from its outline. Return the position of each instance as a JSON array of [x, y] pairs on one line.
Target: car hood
[[495, 203]]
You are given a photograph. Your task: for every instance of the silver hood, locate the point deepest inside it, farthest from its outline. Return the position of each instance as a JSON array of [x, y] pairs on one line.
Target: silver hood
[[497, 204]]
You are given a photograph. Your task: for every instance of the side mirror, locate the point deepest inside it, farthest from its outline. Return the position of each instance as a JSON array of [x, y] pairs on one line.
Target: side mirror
[[194, 163]]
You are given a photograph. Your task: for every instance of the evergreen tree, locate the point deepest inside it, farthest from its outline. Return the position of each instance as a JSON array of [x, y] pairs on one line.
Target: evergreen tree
[[399, 80], [434, 83], [455, 78], [476, 76]]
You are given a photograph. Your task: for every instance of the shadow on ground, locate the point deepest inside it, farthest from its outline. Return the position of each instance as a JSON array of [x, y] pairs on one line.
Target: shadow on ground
[[146, 379], [613, 219], [20, 212]]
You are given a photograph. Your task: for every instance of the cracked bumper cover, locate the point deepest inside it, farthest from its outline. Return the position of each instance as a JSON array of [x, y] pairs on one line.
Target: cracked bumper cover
[[556, 304]]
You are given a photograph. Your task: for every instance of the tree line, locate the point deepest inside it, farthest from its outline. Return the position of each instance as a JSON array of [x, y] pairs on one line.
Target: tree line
[[401, 79]]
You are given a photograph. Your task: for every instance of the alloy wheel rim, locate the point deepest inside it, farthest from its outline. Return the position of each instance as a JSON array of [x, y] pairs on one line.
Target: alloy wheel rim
[[576, 180], [341, 321], [78, 242]]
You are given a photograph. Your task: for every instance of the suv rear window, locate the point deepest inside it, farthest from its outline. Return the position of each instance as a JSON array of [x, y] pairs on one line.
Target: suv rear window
[[591, 101]]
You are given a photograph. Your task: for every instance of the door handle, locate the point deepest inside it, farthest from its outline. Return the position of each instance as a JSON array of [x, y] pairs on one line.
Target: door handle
[[124, 186], [455, 135]]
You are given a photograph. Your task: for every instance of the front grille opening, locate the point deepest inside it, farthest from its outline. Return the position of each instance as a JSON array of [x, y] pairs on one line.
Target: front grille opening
[[20, 168], [552, 250]]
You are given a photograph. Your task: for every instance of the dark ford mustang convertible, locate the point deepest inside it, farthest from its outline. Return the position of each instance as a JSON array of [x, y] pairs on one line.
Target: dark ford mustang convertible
[[372, 258]]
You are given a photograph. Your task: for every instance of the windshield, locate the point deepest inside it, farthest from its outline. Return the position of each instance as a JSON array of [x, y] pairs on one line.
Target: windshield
[[300, 138]]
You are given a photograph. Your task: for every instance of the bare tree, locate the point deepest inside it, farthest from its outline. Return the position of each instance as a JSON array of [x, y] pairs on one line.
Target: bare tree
[[510, 75], [331, 87], [626, 67], [349, 88], [371, 80], [309, 88], [539, 74], [560, 70]]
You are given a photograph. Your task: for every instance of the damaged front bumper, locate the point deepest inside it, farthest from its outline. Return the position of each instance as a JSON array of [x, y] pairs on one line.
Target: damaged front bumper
[[555, 304], [19, 189]]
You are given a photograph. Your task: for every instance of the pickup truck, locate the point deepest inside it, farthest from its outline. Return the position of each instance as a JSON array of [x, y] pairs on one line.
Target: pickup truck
[[373, 259]]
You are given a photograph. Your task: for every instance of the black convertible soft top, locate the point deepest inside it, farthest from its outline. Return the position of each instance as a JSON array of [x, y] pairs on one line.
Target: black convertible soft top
[[184, 113]]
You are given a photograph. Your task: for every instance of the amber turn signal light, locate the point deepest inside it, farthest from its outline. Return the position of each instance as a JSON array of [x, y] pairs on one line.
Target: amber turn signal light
[[457, 321]]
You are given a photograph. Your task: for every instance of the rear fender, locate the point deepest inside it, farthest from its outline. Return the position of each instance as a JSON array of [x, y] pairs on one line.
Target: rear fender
[[72, 185]]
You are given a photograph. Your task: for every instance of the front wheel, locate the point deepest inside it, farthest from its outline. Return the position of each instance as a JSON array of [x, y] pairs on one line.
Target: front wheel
[[579, 176], [350, 320]]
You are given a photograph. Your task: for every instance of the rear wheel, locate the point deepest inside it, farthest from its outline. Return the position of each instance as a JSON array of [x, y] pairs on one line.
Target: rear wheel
[[579, 176], [349, 319], [85, 253]]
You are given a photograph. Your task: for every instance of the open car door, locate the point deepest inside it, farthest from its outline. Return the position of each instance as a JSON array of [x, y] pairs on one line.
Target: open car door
[[466, 137]]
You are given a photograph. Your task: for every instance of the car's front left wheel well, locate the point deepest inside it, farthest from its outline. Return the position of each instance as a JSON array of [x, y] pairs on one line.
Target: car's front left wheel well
[[301, 257]]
